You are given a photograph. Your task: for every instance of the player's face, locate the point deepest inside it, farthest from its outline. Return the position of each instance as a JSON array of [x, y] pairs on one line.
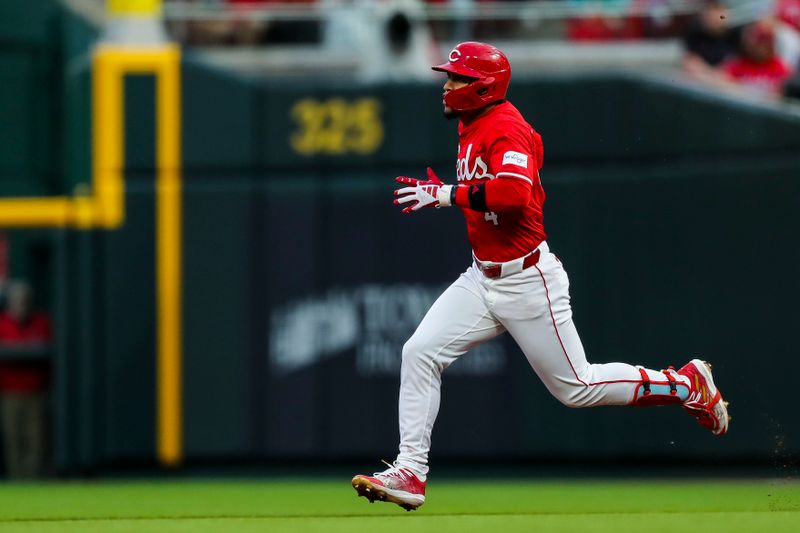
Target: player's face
[[454, 81]]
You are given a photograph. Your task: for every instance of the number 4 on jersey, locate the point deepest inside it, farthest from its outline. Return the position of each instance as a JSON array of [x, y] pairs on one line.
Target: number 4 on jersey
[[491, 217]]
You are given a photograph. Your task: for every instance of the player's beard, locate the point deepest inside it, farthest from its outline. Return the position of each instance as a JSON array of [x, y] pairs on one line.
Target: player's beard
[[450, 113]]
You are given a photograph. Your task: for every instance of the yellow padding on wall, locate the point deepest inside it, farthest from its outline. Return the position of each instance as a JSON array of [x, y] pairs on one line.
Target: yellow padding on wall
[[118, 8]]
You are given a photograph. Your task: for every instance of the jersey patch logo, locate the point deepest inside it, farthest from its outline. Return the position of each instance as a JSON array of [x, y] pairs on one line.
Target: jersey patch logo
[[515, 158]]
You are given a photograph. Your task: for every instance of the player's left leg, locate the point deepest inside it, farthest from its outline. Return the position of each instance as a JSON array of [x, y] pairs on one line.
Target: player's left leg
[[534, 307]]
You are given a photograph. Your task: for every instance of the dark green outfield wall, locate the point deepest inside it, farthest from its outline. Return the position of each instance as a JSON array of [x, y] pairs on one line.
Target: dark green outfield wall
[[674, 212]]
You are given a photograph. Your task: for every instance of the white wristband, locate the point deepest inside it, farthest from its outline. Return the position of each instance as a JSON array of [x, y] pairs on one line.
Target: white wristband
[[443, 195]]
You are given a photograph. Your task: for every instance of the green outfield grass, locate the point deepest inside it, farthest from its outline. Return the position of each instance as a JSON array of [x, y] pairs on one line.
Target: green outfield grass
[[464, 506]]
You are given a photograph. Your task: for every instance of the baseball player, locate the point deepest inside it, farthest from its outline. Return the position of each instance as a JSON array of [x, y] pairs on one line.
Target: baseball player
[[514, 283]]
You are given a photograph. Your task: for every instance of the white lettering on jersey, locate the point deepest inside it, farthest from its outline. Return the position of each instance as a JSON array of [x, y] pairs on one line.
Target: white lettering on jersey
[[479, 169], [515, 158]]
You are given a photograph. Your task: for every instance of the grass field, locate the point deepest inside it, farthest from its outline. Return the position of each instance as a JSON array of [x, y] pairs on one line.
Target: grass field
[[464, 506]]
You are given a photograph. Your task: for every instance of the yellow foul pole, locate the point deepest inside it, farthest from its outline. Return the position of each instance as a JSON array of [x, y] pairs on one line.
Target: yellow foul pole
[[138, 40]]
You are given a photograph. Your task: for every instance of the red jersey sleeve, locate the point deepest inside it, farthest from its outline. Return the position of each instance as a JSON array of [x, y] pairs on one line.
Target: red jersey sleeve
[[517, 156], [515, 159], [504, 195]]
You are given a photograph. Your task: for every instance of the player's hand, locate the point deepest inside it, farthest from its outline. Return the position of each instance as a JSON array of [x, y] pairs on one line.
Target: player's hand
[[419, 194]]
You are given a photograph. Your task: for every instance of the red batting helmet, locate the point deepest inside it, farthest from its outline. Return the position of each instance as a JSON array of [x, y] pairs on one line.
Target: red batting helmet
[[490, 68]]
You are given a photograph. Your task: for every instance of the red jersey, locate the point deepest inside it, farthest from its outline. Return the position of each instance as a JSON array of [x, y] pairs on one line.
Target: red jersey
[[24, 376], [769, 76], [500, 145]]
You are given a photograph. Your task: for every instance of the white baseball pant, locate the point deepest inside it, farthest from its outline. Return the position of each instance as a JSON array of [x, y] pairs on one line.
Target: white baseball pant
[[533, 306]]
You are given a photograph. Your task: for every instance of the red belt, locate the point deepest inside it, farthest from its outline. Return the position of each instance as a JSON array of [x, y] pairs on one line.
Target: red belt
[[494, 271]]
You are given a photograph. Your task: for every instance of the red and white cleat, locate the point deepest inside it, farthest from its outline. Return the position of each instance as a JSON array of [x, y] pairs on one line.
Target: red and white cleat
[[395, 484], [705, 401]]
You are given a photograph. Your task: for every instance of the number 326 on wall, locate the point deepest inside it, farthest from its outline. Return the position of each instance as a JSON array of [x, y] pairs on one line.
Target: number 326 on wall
[[336, 126]]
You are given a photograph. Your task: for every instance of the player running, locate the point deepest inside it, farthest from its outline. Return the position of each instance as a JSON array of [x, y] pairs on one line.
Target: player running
[[514, 283]]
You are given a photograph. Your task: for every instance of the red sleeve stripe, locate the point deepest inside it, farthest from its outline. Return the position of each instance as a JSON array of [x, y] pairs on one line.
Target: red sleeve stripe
[[515, 175]]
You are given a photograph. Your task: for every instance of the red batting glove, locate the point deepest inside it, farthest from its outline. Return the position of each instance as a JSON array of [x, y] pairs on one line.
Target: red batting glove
[[421, 193]]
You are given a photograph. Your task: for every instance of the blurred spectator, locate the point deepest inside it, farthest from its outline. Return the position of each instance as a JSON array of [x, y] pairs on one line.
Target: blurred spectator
[[283, 31], [599, 25], [202, 32], [787, 32], [386, 37], [238, 26], [243, 29], [708, 42], [788, 41], [789, 12], [659, 21], [23, 385], [758, 67]]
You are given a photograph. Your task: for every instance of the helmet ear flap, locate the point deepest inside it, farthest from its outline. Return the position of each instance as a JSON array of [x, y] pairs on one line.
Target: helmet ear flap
[[485, 84], [473, 96]]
